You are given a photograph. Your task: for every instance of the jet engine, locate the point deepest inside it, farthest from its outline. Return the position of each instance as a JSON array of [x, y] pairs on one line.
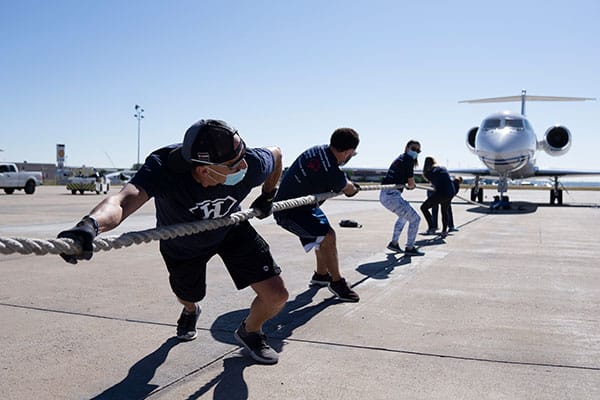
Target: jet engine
[[557, 140], [471, 135]]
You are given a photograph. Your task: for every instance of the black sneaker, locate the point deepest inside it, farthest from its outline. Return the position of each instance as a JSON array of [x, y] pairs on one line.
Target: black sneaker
[[320, 280], [413, 251], [342, 291], [453, 229], [186, 324], [394, 247], [256, 344]]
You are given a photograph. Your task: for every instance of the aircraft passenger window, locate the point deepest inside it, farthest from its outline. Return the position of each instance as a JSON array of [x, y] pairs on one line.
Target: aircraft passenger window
[[491, 124], [514, 123]]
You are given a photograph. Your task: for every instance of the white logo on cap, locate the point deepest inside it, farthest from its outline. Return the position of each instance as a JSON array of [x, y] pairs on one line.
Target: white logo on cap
[[203, 156]]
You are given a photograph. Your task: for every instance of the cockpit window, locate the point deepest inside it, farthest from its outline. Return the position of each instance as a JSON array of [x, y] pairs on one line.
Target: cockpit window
[[491, 124], [514, 123]]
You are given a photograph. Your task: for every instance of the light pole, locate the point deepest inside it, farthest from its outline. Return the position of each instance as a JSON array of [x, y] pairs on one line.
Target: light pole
[[138, 115]]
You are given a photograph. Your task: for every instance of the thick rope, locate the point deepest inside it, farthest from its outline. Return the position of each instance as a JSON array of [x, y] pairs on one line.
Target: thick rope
[[69, 246], [456, 195]]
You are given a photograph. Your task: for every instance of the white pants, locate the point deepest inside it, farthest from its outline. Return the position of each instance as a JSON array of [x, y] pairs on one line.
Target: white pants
[[392, 200]]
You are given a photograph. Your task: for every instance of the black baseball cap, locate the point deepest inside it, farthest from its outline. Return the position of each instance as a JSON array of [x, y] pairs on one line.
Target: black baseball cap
[[206, 142]]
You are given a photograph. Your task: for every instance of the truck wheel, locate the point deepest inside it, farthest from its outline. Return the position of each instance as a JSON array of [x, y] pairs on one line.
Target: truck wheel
[[80, 191], [29, 187], [73, 191], [9, 190]]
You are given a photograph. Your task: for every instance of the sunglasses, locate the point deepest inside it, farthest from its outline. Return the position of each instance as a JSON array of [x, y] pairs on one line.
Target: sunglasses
[[415, 150]]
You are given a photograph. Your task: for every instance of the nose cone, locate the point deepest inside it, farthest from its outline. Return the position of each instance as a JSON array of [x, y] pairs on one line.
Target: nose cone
[[504, 150]]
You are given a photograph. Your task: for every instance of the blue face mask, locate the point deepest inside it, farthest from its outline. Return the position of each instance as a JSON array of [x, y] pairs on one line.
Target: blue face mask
[[413, 154], [233, 179]]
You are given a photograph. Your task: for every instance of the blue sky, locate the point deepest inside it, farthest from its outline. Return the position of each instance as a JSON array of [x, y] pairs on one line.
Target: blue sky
[[288, 73]]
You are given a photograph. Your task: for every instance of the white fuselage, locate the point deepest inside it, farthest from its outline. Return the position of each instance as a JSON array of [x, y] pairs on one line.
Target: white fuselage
[[506, 144]]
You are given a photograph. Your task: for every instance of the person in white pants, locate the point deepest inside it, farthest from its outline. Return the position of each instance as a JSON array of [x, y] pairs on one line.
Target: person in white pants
[[401, 172]]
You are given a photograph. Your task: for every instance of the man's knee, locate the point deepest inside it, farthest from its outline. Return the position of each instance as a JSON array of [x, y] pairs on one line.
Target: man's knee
[[279, 295], [274, 291]]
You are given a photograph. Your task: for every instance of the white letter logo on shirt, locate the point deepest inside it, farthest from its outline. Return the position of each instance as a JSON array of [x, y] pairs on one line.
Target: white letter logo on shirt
[[211, 209]]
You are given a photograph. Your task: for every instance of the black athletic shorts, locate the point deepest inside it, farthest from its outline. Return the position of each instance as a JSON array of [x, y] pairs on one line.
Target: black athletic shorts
[[245, 254], [309, 224]]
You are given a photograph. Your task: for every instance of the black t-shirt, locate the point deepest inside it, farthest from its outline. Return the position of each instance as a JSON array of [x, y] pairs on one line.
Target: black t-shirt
[[314, 171], [178, 198], [401, 169], [441, 181]]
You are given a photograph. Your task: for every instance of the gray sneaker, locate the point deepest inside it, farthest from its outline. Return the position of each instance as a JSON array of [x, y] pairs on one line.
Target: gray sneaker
[[256, 344], [186, 325]]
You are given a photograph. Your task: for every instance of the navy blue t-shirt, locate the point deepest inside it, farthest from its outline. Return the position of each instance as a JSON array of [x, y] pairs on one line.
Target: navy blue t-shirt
[[314, 171], [441, 181], [402, 168], [178, 198]]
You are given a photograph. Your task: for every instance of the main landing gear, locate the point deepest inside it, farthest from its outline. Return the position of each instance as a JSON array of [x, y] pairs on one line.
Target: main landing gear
[[556, 193]]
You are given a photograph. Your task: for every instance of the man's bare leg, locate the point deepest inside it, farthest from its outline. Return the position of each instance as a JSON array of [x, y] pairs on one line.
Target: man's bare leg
[[327, 257], [271, 296]]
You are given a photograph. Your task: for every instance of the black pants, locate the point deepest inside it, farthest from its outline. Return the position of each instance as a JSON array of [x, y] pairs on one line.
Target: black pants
[[433, 201]]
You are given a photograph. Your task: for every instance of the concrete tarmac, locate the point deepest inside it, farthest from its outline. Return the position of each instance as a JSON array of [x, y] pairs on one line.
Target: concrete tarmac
[[506, 308]]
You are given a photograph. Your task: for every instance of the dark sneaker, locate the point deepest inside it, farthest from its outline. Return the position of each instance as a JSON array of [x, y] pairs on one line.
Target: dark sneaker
[[394, 247], [320, 280], [186, 325], [443, 234], [453, 229], [430, 232], [256, 344], [342, 291], [413, 251]]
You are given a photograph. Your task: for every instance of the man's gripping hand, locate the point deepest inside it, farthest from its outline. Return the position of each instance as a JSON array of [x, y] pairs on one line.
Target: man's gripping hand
[[263, 205], [356, 190], [83, 233]]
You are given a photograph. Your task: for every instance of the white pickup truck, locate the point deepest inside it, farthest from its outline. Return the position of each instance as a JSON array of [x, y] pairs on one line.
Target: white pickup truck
[[11, 178]]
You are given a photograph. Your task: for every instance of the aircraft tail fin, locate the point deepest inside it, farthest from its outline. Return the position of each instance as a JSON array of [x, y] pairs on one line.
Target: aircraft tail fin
[[523, 97]]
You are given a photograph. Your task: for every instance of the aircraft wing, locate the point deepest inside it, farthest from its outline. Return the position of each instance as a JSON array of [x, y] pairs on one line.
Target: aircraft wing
[[538, 172], [564, 172]]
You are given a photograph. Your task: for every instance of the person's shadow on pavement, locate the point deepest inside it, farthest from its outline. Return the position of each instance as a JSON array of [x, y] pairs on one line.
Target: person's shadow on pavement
[[136, 384], [230, 384], [382, 269], [294, 314]]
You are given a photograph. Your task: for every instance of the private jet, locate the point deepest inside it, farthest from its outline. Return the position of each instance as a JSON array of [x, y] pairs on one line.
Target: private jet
[[506, 144], [120, 177]]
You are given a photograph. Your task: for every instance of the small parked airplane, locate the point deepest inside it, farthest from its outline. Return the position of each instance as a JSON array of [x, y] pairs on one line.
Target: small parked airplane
[[120, 177], [506, 144]]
